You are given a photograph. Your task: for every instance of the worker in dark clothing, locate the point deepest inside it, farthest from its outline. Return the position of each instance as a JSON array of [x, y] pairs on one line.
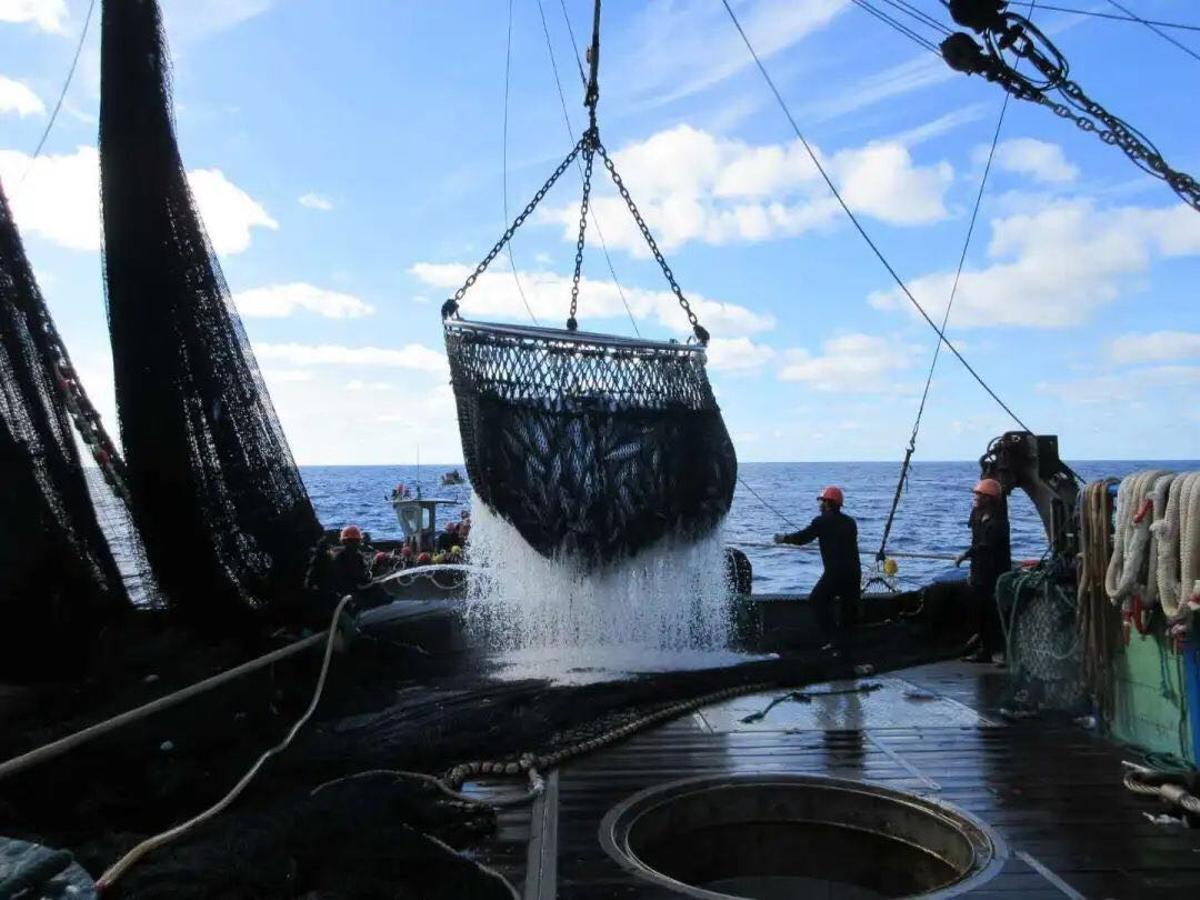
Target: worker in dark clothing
[[990, 558], [348, 572], [837, 535]]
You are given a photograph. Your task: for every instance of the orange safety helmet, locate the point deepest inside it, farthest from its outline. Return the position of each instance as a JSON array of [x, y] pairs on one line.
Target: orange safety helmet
[[351, 533], [833, 495], [988, 487]]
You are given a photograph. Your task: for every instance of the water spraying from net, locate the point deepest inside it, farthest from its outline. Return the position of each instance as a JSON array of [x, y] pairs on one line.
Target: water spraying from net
[[668, 608]]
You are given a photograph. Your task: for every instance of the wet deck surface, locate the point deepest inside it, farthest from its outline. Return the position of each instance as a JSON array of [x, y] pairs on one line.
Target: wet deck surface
[[1052, 790]]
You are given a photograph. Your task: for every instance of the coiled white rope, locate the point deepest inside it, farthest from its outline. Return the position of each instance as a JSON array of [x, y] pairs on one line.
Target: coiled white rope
[[1177, 532], [1160, 544], [1152, 783], [1131, 541]]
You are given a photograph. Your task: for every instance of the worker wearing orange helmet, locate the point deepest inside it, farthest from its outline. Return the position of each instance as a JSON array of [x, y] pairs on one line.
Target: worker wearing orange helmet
[[348, 571], [990, 557], [837, 535]]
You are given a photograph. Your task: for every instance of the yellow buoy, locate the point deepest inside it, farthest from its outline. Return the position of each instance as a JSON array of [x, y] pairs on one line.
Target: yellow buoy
[[890, 568]]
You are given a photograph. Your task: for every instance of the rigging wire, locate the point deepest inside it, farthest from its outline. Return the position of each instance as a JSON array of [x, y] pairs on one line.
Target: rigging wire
[[1162, 34], [574, 43], [562, 98], [861, 230], [62, 95], [759, 497], [1102, 15], [920, 15], [512, 262], [894, 24], [937, 350]]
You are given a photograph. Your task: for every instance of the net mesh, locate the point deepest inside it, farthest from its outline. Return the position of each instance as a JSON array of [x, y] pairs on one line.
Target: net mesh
[[593, 447], [58, 580], [1044, 648], [216, 495]]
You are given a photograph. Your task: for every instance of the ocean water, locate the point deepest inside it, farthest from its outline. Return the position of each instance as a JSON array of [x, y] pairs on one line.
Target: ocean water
[[932, 516]]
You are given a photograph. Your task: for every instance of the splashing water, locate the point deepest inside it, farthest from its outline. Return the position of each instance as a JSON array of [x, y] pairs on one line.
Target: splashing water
[[666, 608]]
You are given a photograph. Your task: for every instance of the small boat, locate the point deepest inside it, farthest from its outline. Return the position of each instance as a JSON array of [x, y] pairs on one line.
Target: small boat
[[453, 477]]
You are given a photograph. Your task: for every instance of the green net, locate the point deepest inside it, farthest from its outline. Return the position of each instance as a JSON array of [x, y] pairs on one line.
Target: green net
[[1038, 612]]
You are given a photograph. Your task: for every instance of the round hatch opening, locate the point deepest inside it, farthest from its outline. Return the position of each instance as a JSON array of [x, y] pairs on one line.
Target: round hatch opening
[[762, 837]]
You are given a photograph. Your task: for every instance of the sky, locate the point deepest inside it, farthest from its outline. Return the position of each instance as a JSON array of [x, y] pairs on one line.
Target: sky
[[350, 163]]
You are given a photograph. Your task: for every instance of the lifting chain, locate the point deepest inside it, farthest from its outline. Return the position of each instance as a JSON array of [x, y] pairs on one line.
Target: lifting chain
[[589, 145], [700, 331], [450, 307], [590, 141], [1008, 31]]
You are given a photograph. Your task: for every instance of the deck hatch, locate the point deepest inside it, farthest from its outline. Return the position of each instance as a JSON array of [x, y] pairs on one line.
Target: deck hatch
[[768, 836]]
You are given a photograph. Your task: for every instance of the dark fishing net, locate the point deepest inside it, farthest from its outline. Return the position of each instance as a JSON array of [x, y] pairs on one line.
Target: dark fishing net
[[216, 495], [593, 447], [58, 580]]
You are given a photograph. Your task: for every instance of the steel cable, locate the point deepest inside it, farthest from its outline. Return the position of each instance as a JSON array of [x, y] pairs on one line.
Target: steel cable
[[571, 133], [861, 230], [512, 262]]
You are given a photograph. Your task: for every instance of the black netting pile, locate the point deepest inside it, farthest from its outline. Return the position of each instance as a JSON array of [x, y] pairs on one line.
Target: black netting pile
[[217, 497], [594, 447], [58, 581]]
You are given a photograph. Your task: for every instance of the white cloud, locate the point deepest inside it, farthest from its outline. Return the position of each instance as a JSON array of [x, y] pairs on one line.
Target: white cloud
[[850, 363], [737, 355], [495, 295], [48, 15], [895, 81], [286, 376], [881, 181], [685, 48], [189, 20], [59, 200], [1126, 387], [316, 201], [941, 125], [278, 301], [1054, 267], [327, 421], [694, 186], [416, 357], [228, 212], [1042, 161], [1157, 346], [357, 385], [17, 97]]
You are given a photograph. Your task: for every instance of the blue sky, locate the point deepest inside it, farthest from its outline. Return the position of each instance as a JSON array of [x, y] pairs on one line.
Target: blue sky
[[348, 160]]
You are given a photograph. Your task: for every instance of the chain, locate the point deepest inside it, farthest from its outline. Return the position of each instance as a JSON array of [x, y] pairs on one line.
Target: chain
[[1012, 32], [699, 330], [590, 141], [450, 307]]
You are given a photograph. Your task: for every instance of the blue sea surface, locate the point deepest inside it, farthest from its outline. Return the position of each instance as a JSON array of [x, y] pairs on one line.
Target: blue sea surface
[[932, 517]]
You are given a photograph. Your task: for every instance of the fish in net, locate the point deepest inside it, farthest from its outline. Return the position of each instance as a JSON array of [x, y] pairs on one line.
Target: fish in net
[[58, 581], [593, 447], [216, 495]]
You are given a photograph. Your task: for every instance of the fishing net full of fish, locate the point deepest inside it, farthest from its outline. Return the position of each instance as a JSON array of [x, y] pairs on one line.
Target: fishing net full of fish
[[58, 580], [593, 446], [227, 524]]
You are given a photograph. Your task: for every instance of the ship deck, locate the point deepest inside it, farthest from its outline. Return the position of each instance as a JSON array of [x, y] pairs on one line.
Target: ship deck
[[1051, 789]]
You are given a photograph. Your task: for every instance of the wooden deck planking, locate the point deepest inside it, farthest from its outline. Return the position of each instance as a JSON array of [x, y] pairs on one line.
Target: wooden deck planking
[[1052, 790]]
